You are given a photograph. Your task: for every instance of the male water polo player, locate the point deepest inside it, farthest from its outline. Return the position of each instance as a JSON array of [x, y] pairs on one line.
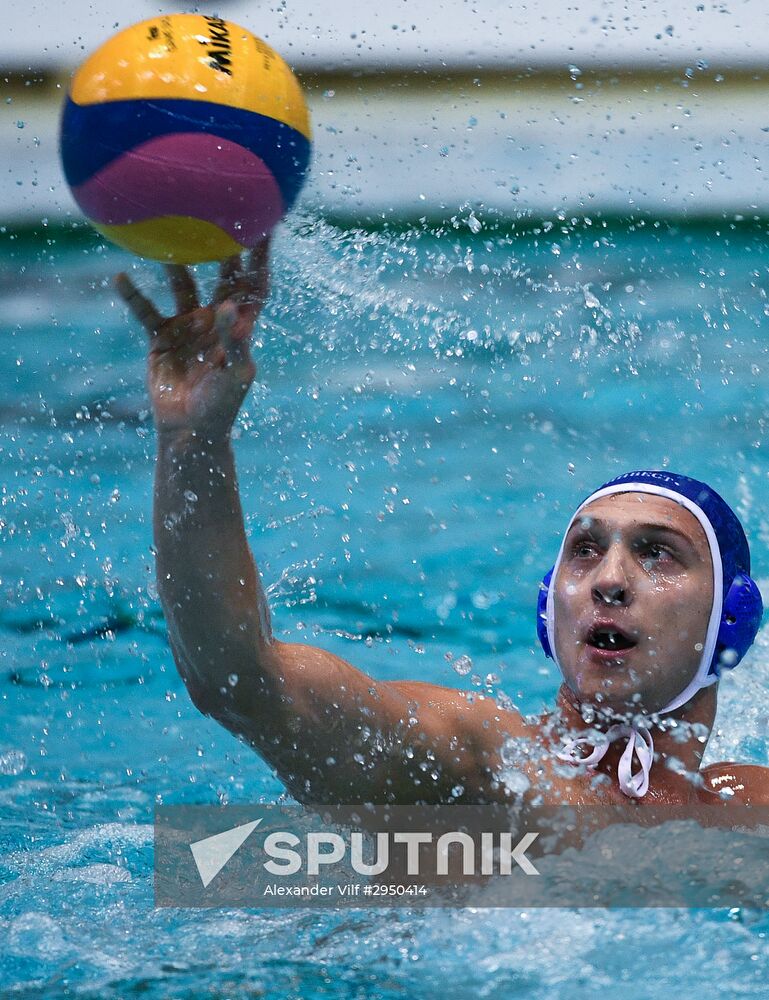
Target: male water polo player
[[649, 601]]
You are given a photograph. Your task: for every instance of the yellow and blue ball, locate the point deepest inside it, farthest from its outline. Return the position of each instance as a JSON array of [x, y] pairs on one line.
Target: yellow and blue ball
[[185, 138]]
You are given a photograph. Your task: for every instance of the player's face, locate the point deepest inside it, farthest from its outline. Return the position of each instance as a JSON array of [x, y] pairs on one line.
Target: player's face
[[633, 597]]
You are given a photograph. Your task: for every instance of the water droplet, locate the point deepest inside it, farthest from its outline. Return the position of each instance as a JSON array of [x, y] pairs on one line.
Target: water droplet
[[463, 665], [516, 782], [12, 762]]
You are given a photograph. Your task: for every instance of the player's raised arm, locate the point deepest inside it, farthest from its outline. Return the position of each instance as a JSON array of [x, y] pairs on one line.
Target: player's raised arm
[[331, 732]]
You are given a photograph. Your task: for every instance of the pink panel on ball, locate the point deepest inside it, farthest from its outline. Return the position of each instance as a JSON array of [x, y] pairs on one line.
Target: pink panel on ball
[[188, 174]]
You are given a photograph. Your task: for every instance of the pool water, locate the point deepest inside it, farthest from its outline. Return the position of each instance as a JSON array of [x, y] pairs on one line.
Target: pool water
[[431, 405]]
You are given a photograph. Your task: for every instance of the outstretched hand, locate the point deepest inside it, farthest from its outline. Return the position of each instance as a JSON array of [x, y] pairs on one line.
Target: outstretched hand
[[200, 365]]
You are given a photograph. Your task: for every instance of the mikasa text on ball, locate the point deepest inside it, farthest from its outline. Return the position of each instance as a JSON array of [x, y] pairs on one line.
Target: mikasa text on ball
[[185, 138]]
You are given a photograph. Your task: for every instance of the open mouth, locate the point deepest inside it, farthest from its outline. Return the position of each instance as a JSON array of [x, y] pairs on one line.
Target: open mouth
[[609, 638]]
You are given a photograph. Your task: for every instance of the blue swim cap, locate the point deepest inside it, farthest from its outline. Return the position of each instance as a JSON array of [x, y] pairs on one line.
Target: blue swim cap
[[737, 605]]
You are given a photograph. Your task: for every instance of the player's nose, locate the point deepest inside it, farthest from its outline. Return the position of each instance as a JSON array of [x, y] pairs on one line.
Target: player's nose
[[612, 579]]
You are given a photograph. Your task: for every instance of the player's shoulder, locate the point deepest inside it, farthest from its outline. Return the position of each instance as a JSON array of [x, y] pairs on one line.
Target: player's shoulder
[[464, 708], [744, 784]]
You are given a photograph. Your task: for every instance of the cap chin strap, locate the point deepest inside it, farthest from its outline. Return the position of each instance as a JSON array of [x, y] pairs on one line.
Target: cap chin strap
[[640, 742]]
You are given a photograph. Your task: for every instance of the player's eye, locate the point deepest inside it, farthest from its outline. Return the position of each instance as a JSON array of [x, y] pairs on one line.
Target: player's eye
[[655, 552], [583, 548]]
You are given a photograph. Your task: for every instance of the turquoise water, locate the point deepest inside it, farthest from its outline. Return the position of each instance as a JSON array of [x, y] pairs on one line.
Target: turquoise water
[[431, 406]]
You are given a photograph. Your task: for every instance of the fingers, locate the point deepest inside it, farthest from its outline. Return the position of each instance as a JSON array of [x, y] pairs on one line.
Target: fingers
[[141, 307], [258, 273], [249, 287], [230, 274], [183, 288], [233, 335]]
